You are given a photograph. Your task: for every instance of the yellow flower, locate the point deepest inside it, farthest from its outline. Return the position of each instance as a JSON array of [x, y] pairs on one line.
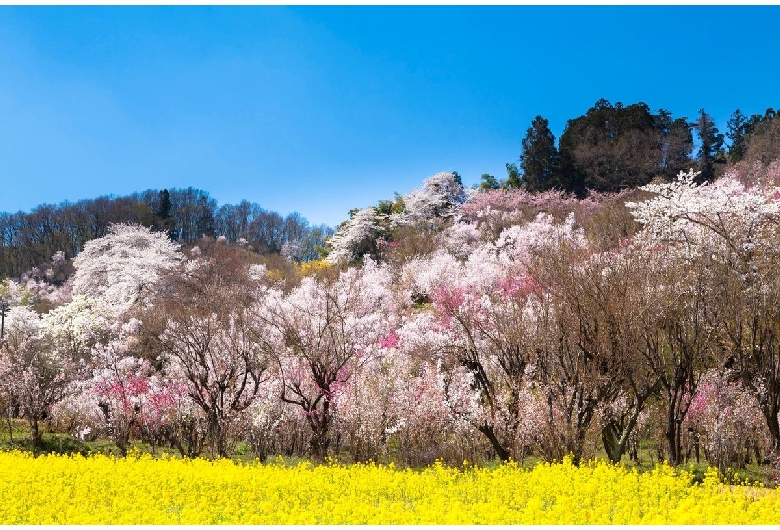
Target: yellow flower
[[143, 490]]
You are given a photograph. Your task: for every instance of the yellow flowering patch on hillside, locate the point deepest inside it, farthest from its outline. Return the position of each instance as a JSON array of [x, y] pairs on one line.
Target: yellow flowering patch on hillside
[[313, 267], [144, 490]]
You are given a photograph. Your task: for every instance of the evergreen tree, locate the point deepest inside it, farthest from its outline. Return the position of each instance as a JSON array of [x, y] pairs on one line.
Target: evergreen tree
[[611, 148], [736, 134], [539, 160], [710, 152], [164, 213], [762, 137], [677, 145], [458, 178]]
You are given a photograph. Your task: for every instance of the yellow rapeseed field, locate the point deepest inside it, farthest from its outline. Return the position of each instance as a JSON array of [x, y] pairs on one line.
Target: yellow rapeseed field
[[143, 490]]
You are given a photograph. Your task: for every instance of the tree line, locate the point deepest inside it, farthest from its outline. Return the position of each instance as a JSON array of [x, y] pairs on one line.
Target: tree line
[[616, 147], [29, 240]]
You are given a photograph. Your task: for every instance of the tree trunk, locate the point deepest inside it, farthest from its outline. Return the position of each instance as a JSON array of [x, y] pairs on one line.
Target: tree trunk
[[672, 434], [615, 436], [35, 433], [614, 442], [319, 421], [487, 430], [770, 414]]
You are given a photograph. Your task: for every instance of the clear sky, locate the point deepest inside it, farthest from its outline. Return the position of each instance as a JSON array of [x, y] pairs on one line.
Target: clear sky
[[322, 109]]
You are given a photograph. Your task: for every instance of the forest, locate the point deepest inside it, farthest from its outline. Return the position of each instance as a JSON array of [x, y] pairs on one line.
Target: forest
[[616, 290]]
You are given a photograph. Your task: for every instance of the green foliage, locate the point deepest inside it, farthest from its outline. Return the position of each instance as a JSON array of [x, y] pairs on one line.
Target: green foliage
[[615, 147], [539, 160], [389, 207], [736, 134], [513, 179], [164, 214], [489, 182], [711, 147]]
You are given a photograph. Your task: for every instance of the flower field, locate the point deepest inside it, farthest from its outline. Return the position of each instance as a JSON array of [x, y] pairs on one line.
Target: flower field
[[144, 490]]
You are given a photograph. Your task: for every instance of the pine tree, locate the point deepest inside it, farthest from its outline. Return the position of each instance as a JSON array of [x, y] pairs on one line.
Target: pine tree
[[736, 133], [164, 214], [539, 160], [489, 182], [710, 152], [677, 145]]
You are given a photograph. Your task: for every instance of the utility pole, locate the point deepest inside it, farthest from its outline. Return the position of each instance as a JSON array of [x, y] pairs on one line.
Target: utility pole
[[3, 310]]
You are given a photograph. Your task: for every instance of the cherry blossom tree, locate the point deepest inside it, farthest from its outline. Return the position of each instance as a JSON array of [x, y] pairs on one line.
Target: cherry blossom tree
[[357, 236], [492, 317], [33, 374], [726, 421], [203, 326], [731, 232], [77, 327], [321, 332], [439, 196], [123, 266]]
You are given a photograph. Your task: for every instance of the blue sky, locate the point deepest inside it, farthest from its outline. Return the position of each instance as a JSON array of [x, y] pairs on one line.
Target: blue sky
[[322, 109]]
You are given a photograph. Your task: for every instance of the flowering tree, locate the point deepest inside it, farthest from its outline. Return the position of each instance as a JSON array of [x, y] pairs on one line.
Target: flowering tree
[[403, 401], [440, 196], [204, 328], [357, 236], [123, 265], [77, 327], [492, 316], [33, 374], [725, 420], [320, 333], [730, 232]]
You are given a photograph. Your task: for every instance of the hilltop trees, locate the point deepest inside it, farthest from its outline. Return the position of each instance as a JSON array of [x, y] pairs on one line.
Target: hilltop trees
[[539, 159], [608, 149], [611, 148], [28, 240], [677, 145], [762, 140], [737, 129]]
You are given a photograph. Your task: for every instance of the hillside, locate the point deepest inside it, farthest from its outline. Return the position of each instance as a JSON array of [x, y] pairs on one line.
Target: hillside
[[447, 323]]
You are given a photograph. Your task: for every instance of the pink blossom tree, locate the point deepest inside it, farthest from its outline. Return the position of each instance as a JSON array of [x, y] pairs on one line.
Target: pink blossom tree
[[320, 333], [203, 326], [726, 421]]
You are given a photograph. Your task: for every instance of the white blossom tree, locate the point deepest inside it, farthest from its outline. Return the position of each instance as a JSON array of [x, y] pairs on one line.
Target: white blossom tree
[[357, 236], [123, 266], [34, 375], [439, 196], [730, 232]]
